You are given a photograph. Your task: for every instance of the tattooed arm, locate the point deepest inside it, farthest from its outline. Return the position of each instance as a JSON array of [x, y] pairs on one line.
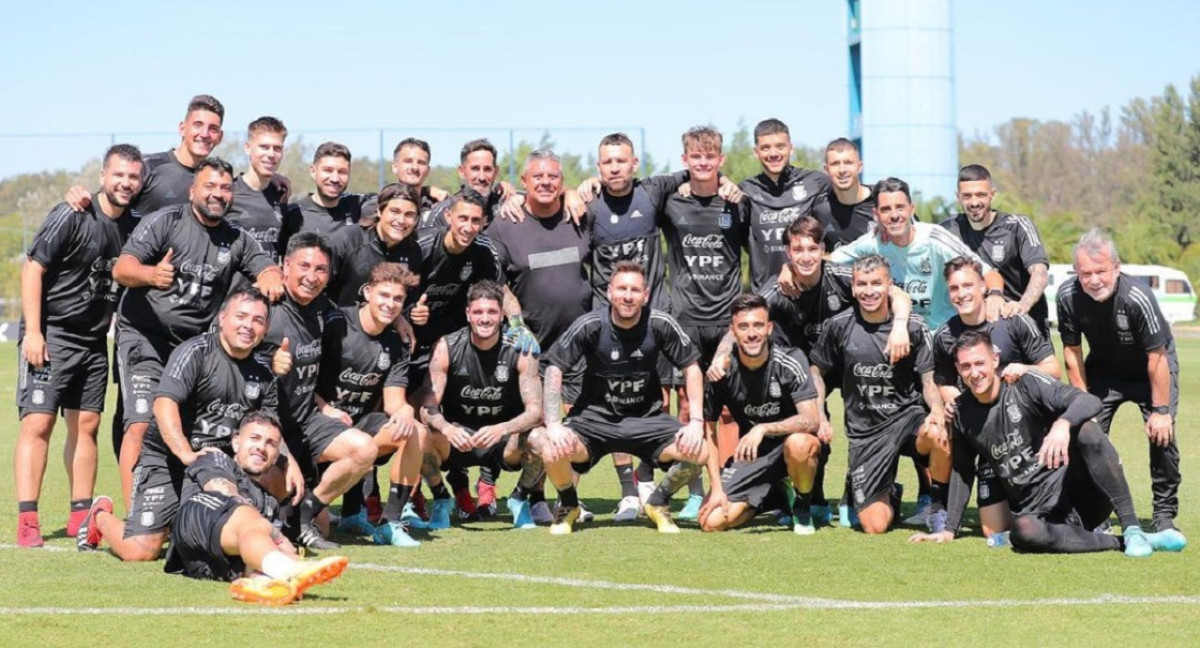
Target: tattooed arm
[[552, 396], [531, 396], [806, 420], [431, 410]]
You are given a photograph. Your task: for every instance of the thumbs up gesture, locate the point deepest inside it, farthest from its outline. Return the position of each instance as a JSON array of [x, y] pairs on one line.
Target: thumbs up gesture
[[164, 272], [281, 361], [420, 313]]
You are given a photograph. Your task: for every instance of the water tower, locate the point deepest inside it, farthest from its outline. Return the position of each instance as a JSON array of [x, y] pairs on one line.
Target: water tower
[[902, 92]]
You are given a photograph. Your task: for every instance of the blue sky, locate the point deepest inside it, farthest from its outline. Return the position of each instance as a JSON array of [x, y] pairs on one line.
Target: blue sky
[[477, 68]]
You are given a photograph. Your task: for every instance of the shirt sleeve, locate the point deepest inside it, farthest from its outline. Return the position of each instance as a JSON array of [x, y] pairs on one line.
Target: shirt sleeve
[[800, 385], [945, 246], [859, 247], [1034, 346], [1146, 319], [660, 187], [714, 399], [826, 353], [575, 343], [54, 237], [1029, 243], [673, 341], [151, 237], [210, 466], [945, 374], [182, 373], [397, 375], [1059, 399], [252, 259], [922, 345], [1068, 332]]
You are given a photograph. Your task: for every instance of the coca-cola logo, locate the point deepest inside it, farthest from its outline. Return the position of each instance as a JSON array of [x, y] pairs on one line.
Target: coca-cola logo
[[764, 411], [882, 370], [482, 393], [205, 271], [709, 241], [351, 377]]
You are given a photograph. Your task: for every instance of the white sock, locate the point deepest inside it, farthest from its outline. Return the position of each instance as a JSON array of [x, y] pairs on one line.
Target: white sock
[[280, 565]]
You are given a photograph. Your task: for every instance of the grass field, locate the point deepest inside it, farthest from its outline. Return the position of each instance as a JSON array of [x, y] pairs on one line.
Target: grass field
[[486, 585]]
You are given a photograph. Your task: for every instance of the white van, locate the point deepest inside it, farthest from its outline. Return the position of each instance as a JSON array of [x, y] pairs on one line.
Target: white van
[[1171, 288]]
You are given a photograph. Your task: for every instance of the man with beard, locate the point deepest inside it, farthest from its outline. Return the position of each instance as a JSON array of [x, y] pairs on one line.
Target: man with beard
[[1132, 357], [410, 165], [1010, 242], [846, 212], [1059, 471], [771, 395], [67, 300], [208, 384], [477, 169], [178, 265], [329, 208], [224, 528]]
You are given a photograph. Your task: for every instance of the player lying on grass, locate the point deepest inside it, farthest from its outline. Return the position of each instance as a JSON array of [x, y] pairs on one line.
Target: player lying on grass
[[1061, 474]]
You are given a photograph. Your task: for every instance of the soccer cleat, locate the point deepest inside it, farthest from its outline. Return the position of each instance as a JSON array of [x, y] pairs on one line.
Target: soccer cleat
[[88, 537], [318, 572], [691, 510], [1163, 522], [411, 519], [29, 530], [541, 513], [374, 509], [356, 524], [1167, 540], [74, 521], [564, 519], [467, 510], [311, 537], [439, 513], [521, 513], [1137, 545], [661, 517], [395, 534], [584, 514], [263, 589], [998, 540], [628, 509], [645, 490], [922, 512], [821, 514], [847, 516], [802, 522], [486, 504], [936, 522]]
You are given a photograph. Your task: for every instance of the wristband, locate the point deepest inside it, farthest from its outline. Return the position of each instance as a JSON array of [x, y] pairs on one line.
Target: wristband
[[1161, 409], [995, 292]]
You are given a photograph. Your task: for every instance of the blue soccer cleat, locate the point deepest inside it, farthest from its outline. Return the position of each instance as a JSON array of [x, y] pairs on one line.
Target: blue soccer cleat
[[1136, 543], [395, 534], [1167, 540], [522, 513], [439, 513], [691, 510]]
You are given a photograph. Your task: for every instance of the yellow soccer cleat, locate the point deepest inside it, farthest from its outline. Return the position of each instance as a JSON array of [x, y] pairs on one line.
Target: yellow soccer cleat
[[317, 572], [264, 590], [564, 520], [661, 517]]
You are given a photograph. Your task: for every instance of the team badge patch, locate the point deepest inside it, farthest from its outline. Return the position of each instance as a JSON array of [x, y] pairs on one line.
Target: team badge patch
[[141, 406], [501, 373], [926, 266], [147, 518], [774, 390], [253, 390], [384, 361], [1014, 413], [1122, 321], [616, 354], [834, 302], [984, 490], [39, 397], [998, 252], [799, 192], [223, 256], [466, 272], [726, 220], [614, 219]]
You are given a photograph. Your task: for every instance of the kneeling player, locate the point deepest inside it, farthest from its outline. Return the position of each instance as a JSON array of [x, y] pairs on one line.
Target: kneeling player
[[771, 396], [224, 531], [620, 405], [1061, 474], [891, 409], [485, 397]]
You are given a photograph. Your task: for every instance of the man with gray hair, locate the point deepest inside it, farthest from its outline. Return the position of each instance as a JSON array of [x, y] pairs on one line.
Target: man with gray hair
[[1133, 356]]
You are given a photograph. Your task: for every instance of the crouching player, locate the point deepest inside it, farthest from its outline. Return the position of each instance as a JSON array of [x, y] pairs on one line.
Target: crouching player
[[771, 396], [1061, 474], [223, 530], [486, 396]]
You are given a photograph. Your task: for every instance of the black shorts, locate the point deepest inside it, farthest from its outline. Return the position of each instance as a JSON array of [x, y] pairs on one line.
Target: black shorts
[[490, 456], [195, 548], [75, 378], [873, 458], [157, 481], [750, 481], [991, 490], [706, 339], [645, 438], [141, 359], [310, 442]]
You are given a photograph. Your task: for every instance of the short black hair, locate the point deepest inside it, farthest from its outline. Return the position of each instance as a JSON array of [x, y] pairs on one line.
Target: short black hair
[[331, 149], [974, 173], [892, 185], [469, 196], [747, 302], [971, 339], [770, 126], [411, 141], [248, 293], [305, 240], [127, 152], [262, 417], [215, 163], [477, 145], [206, 103]]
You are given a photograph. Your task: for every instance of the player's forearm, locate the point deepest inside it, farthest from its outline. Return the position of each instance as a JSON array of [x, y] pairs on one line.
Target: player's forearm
[[933, 397], [901, 303], [1159, 372], [531, 396], [394, 400], [993, 281], [713, 464], [725, 347], [170, 426], [819, 384], [511, 306], [1073, 358], [31, 294], [434, 419], [806, 420], [1039, 278], [131, 273], [1049, 366], [694, 388], [552, 396]]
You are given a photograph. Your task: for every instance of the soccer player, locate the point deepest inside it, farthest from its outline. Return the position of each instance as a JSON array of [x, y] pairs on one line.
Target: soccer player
[[1010, 242], [331, 452], [224, 527], [67, 301], [477, 169], [363, 381], [358, 249], [1021, 346], [1058, 469], [260, 196], [847, 210], [485, 398], [410, 165], [178, 266], [779, 195], [209, 383], [329, 208], [770, 393], [916, 253], [891, 408], [620, 405], [1132, 357]]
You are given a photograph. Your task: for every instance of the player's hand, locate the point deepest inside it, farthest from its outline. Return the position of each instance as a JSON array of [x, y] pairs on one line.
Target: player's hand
[[191, 457], [164, 272], [719, 367], [281, 360], [994, 304], [788, 284], [589, 189], [685, 190], [34, 348], [558, 443], [294, 480], [573, 207], [487, 436], [438, 194], [506, 189], [270, 283], [950, 407], [935, 427], [78, 198], [716, 500], [458, 438], [1012, 309], [1160, 428], [1012, 372], [513, 208], [1054, 447], [420, 312], [337, 414], [689, 440], [825, 431], [747, 447], [728, 190], [523, 339], [402, 425], [898, 344], [942, 537]]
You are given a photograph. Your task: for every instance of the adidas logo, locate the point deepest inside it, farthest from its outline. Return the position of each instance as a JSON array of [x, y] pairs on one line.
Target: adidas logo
[[636, 214], [637, 353]]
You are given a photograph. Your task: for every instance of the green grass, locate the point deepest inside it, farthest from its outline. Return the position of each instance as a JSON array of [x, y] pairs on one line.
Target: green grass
[[835, 565]]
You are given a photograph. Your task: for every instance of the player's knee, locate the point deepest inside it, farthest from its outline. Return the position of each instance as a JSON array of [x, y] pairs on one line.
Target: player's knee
[[361, 449], [1091, 437], [801, 447], [1028, 532], [713, 522], [140, 549]]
